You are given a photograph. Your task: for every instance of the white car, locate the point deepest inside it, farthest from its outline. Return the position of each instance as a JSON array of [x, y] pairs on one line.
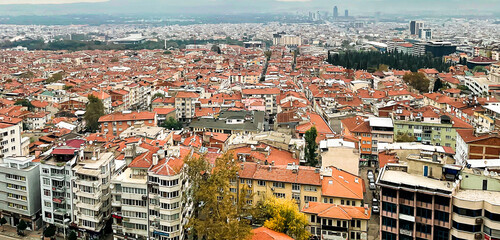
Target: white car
[[372, 186], [375, 209]]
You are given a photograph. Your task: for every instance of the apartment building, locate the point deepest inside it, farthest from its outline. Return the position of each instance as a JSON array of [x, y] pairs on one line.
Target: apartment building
[[185, 105], [231, 122], [369, 132], [476, 206], [331, 221], [20, 191], [473, 145], [303, 184], [151, 188], [416, 197], [10, 136], [428, 125], [268, 94], [92, 193], [56, 183], [118, 122]]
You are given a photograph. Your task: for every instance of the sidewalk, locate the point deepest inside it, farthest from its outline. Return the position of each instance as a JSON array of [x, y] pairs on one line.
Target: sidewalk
[[11, 233]]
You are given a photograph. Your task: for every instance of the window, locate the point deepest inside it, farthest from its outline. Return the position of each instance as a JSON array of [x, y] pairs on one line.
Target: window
[[261, 183], [467, 212], [279, 195], [278, 185], [310, 188], [296, 187], [310, 199], [46, 181]]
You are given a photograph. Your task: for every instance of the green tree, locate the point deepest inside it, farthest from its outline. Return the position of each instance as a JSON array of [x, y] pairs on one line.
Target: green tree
[[171, 123], [72, 236], [438, 84], [311, 147], [3, 221], [216, 48], [158, 95], [21, 226], [25, 103], [404, 137], [50, 231], [284, 216], [418, 81], [93, 111], [218, 213], [479, 69]]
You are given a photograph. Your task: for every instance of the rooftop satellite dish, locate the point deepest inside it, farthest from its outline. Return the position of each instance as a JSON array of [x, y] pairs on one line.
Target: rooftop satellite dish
[[486, 172], [90, 142]]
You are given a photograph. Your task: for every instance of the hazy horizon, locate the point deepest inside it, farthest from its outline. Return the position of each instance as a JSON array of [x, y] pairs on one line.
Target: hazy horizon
[[355, 7]]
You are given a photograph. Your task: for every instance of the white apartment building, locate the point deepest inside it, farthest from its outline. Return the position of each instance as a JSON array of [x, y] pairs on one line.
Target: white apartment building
[[185, 105], [20, 191], [151, 189], [10, 137], [92, 193]]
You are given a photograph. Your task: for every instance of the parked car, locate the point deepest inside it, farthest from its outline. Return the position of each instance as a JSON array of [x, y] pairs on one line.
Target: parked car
[[370, 175], [372, 186], [375, 209], [375, 202]]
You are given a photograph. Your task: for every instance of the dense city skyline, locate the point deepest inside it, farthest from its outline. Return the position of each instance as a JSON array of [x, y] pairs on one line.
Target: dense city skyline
[[356, 7]]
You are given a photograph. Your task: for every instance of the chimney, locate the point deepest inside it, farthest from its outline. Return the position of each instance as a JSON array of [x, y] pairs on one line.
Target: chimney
[[155, 159]]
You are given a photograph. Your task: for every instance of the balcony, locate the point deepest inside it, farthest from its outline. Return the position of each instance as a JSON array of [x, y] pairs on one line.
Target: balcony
[[406, 232], [442, 208], [440, 223], [59, 188], [389, 229], [423, 220], [389, 214], [422, 235], [389, 199], [407, 202], [424, 205], [59, 200]]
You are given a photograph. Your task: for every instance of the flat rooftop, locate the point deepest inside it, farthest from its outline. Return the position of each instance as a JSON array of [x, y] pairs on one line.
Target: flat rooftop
[[400, 177], [478, 195]]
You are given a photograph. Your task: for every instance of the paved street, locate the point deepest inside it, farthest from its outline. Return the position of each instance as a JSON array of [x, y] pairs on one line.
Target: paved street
[[10, 233], [373, 224]]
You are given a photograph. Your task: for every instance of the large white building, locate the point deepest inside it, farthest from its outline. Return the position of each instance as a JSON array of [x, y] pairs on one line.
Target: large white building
[[20, 191], [10, 137]]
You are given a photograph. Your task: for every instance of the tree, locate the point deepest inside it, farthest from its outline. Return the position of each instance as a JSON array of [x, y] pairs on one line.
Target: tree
[[171, 123], [216, 48], [93, 111], [158, 95], [418, 81], [21, 226], [438, 84], [50, 231], [284, 216], [3, 221], [55, 77], [25, 103], [72, 236], [311, 147], [404, 137], [383, 68], [479, 69], [217, 213]]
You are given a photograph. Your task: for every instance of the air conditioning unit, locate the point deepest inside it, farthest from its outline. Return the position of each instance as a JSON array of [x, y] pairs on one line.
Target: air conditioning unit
[[479, 221], [478, 236], [272, 188]]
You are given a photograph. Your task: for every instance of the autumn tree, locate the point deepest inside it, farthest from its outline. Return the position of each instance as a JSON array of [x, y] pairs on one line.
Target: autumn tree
[[93, 111], [220, 212], [284, 216], [418, 81], [311, 147]]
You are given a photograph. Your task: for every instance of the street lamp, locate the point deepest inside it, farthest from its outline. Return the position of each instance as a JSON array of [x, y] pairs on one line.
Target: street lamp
[[65, 222]]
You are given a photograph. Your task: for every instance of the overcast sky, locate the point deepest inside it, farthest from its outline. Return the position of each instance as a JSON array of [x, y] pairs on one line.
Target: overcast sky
[[245, 6]]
